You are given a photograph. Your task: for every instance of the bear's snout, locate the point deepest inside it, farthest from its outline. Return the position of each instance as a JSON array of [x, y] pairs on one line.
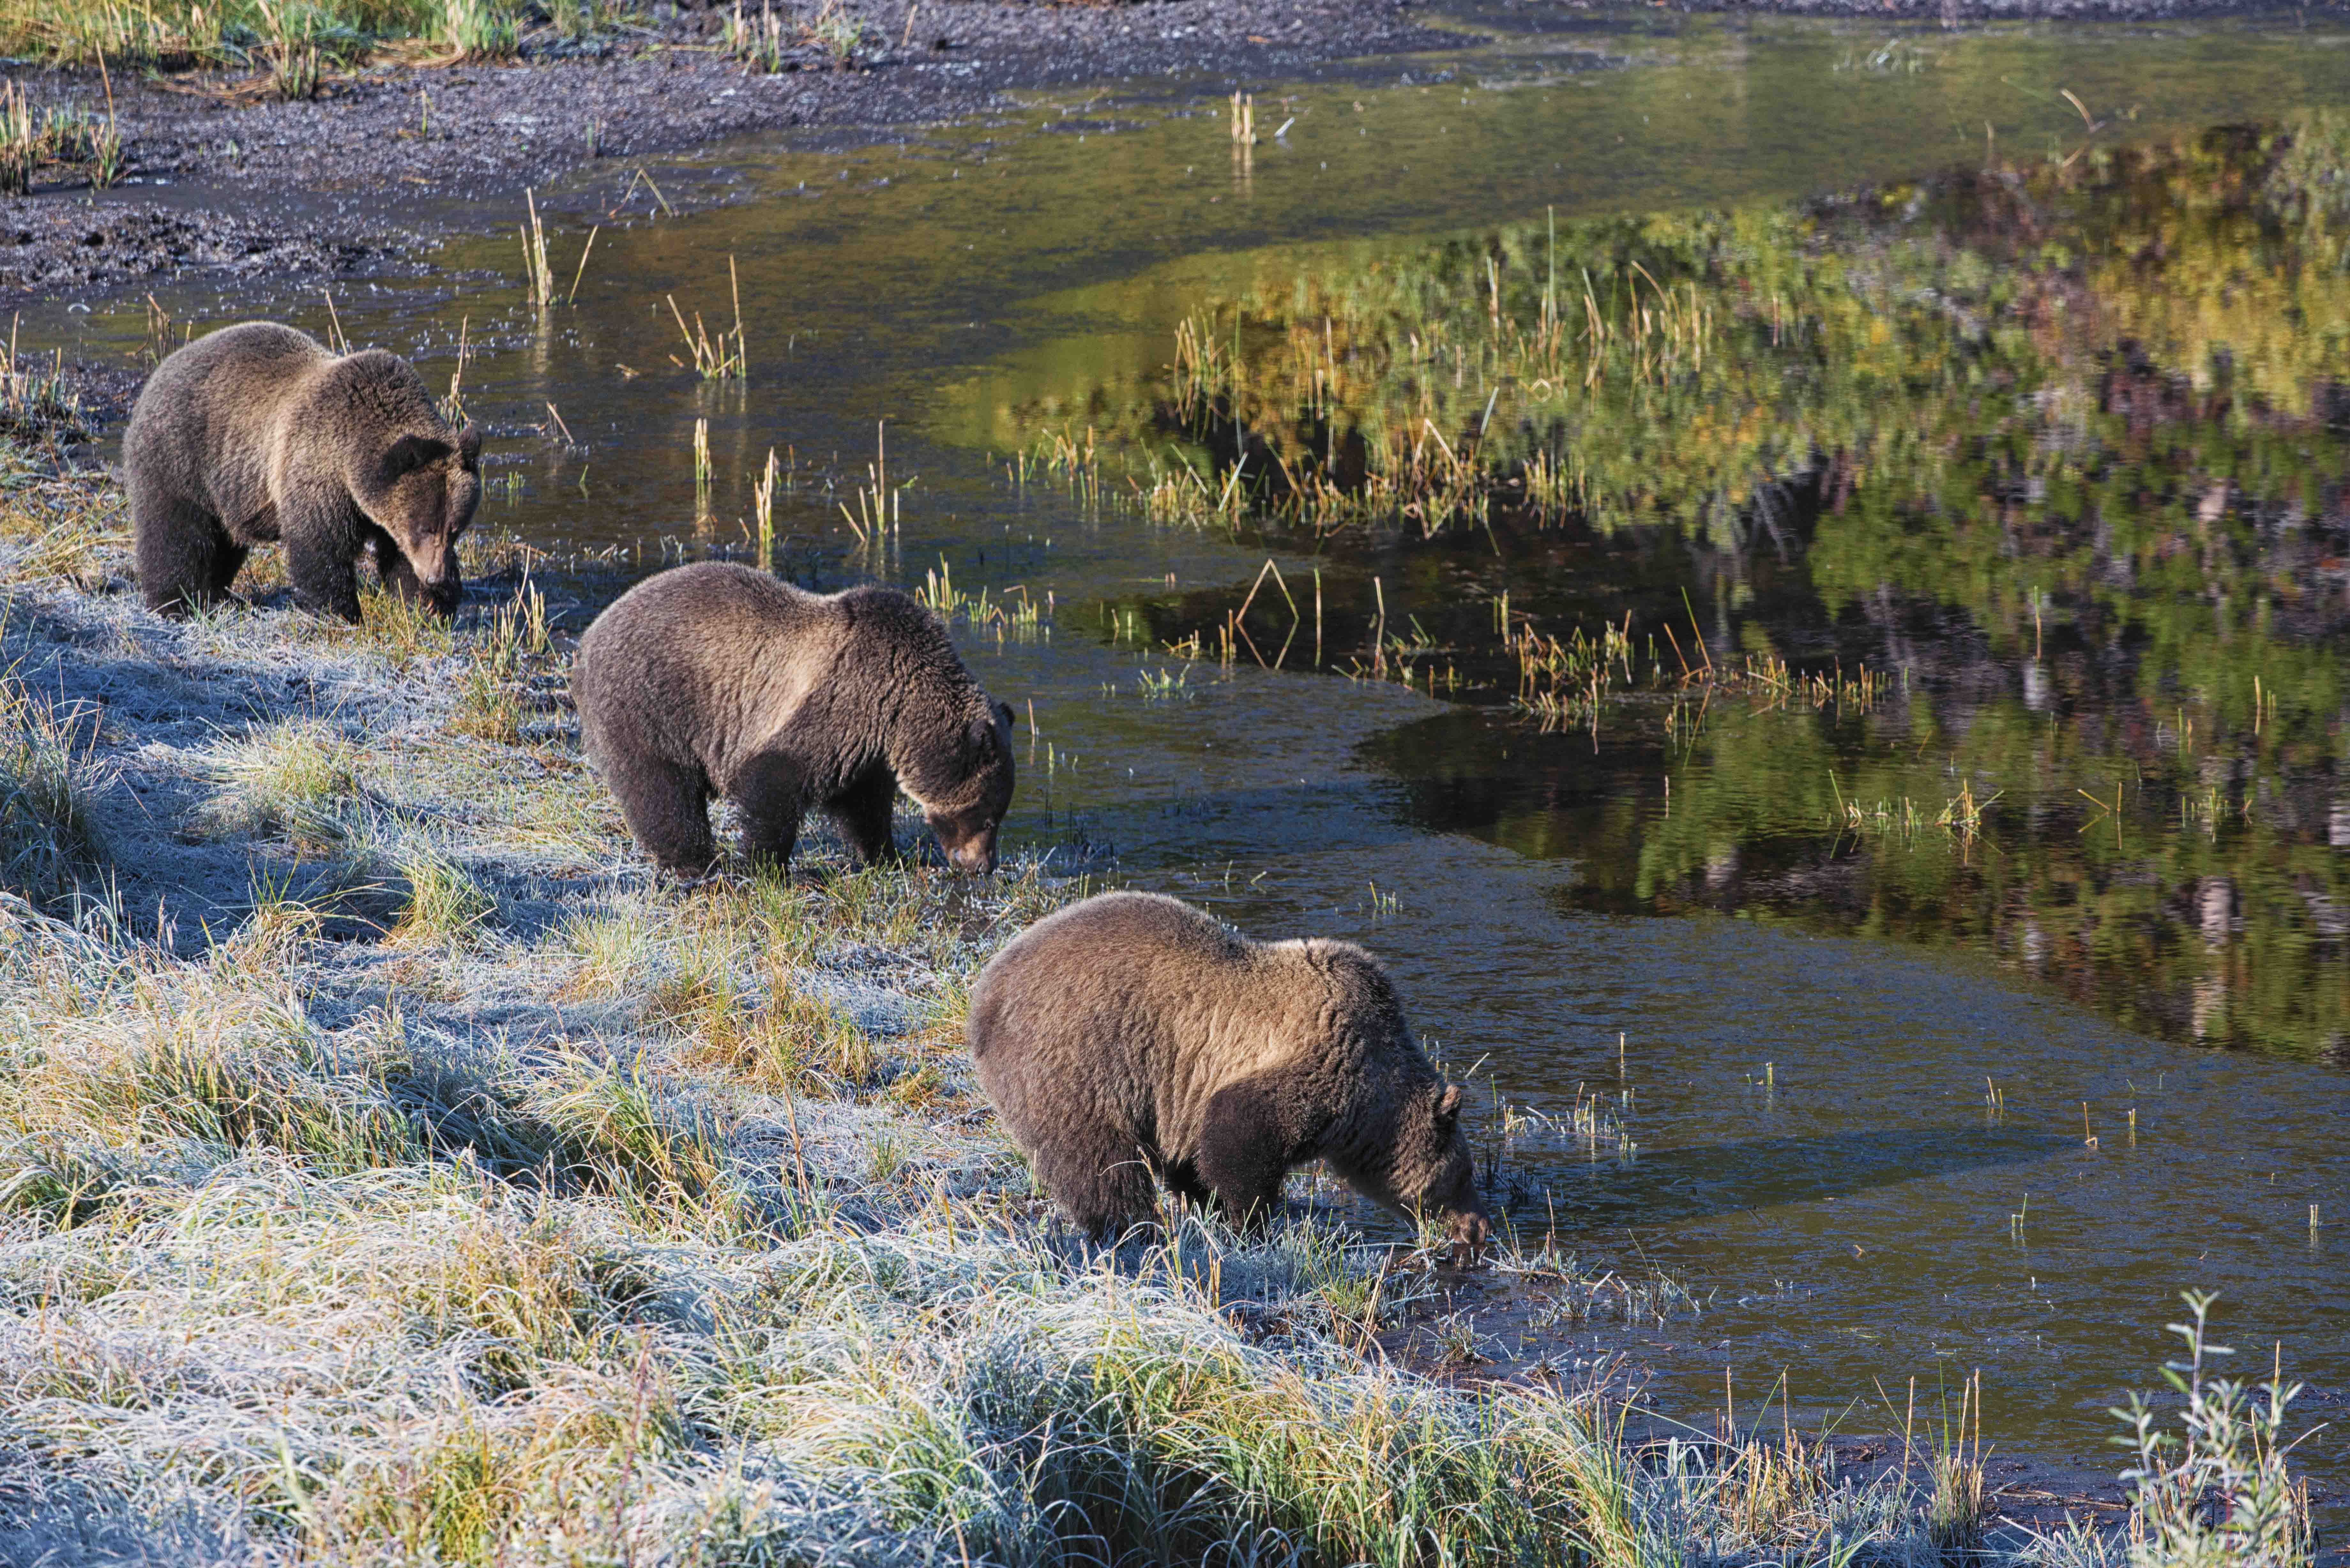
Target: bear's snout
[[974, 856], [1470, 1230]]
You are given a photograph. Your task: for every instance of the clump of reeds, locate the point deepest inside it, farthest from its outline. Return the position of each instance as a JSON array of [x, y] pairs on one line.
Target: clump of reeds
[[37, 400], [478, 29], [763, 506], [538, 272], [723, 355], [878, 500], [58, 137], [290, 52], [702, 474], [756, 39], [762, 40], [837, 33], [1016, 610]]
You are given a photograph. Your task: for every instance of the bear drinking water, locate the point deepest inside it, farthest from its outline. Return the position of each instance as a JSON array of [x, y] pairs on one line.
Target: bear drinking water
[[716, 678], [1131, 1036], [256, 433]]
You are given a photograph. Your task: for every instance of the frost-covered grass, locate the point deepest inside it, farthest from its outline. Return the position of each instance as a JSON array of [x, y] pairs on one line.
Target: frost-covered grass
[[51, 846], [394, 1172]]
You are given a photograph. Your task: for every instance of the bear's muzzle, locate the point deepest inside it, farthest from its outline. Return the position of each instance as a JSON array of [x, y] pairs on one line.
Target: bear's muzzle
[[975, 856]]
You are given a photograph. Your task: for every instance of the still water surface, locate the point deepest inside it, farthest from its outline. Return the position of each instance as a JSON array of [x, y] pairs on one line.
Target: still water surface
[[1729, 929]]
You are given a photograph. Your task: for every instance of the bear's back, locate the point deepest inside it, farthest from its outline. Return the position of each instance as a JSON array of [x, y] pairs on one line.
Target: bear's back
[[701, 662], [714, 617], [1144, 995], [204, 419]]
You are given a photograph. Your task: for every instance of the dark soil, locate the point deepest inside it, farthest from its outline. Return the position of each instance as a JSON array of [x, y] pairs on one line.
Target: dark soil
[[249, 173], [50, 245], [487, 130]]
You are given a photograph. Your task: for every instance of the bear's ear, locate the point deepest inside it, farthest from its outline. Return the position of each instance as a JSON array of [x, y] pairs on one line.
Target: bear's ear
[[981, 735], [410, 452], [1447, 1105], [1004, 717], [469, 445]]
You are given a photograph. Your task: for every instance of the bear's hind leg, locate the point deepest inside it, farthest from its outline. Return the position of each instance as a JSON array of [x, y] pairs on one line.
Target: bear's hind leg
[[668, 808], [1182, 1179], [185, 558], [226, 564], [863, 811]]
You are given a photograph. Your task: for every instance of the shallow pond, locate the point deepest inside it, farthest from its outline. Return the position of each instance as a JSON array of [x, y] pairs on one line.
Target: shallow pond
[[1955, 1014]]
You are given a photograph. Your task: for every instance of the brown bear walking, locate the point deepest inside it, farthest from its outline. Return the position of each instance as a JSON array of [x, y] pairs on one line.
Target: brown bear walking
[[715, 678], [256, 433], [1131, 1035]]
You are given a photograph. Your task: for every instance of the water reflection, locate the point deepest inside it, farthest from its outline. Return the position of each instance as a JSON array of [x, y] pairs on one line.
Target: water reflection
[[2058, 452], [1705, 1181]]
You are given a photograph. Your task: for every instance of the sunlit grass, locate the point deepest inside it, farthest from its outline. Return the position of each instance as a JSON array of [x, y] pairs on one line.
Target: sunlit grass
[[271, 33], [592, 1222], [293, 777]]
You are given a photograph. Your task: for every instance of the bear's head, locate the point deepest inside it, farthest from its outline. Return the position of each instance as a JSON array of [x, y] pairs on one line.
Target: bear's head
[[416, 478], [965, 801], [1433, 1172], [1400, 1140]]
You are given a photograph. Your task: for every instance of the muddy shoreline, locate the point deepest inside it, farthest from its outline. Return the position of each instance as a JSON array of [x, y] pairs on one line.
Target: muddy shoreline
[[233, 158], [224, 175]]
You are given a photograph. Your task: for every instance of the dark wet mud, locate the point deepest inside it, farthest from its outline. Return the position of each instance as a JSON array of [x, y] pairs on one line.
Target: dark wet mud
[[261, 183], [299, 188], [49, 247]]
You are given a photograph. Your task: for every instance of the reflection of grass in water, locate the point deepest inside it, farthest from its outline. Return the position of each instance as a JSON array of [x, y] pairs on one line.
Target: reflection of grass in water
[[2079, 416]]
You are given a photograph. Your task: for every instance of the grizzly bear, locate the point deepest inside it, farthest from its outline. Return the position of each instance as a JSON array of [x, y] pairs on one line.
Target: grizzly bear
[[256, 433], [1131, 1035], [714, 678]]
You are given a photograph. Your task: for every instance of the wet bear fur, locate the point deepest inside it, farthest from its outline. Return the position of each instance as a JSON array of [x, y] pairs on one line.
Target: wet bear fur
[[714, 678], [1132, 1037], [256, 433]]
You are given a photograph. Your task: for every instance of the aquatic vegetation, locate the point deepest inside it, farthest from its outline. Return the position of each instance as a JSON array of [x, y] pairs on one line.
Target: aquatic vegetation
[[723, 355], [2220, 1489], [69, 137]]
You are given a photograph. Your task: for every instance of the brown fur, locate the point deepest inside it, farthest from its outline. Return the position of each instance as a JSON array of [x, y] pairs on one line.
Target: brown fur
[[256, 433], [715, 678], [1131, 1035]]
